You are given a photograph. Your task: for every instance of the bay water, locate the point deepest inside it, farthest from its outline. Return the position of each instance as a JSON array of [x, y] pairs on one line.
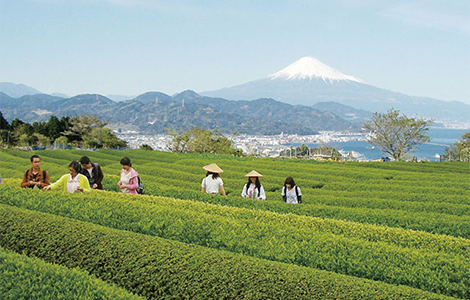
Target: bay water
[[441, 138]]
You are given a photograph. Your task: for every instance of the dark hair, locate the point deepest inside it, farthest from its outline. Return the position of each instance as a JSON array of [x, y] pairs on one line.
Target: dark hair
[[257, 184], [76, 166], [126, 161], [289, 180], [214, 175], [35, 156], [84, 160]]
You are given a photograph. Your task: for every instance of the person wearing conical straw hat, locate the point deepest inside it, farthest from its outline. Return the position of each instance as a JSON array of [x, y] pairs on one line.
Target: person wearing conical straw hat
[[253, 189], [212, 183]]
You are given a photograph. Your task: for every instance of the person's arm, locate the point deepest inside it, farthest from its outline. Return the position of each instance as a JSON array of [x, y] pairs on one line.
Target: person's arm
[[244, 195], [222, 191], [84, 185], [203, 185], [100, 174], [25, 182], [58, 184], [133, 184], [262, 195], [119, 184], [47, 180], [283, 194], [299, 198]]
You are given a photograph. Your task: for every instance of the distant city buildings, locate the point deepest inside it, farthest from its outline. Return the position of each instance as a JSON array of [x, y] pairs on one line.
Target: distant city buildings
[[258, 145]]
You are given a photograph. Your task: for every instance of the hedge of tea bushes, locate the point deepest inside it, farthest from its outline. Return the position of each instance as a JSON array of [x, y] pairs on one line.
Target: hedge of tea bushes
[[348, 191], [440, 223], [435, 263], [23, 277], [156, 268], [98, 201]]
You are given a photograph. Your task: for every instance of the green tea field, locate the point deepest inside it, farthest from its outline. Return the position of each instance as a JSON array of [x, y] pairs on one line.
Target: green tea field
[[368, 230]]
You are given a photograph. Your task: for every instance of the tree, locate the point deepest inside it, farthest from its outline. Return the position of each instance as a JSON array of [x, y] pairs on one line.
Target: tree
[[5, 132], [198, 140], [460, 150], [103, 138], [55, 127], [81, 127], [146, 147], [395, 134], [4, 123]]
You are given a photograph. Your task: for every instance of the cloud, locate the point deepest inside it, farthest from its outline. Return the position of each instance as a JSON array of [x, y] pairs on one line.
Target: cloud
[[422, 14]]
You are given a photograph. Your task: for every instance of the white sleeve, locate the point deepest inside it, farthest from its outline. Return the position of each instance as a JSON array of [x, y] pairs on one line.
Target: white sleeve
[[203, 183], [262, 195], [300, 193], [244, 191], [283, 193]]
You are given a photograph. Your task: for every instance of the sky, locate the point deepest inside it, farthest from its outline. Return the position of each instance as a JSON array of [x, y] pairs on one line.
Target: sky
[[124, 47]]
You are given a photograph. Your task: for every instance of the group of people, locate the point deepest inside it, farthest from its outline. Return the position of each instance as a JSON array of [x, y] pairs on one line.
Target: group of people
[[253, 189], [83, 176]]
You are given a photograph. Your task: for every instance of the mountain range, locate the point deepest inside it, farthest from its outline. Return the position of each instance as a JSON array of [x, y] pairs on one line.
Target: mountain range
[[309, 81], [154, 112], [305, 97]]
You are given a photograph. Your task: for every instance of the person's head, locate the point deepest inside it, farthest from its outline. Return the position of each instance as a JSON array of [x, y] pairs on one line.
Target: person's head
[[86, 163], [74, 168], [213, 169], [253, 177], [126, 163], [35, 160], [289, 182], [214, 175]]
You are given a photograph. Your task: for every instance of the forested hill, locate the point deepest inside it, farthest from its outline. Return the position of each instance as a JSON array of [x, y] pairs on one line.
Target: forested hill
[[153, 112]]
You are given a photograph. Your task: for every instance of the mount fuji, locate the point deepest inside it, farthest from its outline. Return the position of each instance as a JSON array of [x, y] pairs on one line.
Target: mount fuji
[[309, 81]]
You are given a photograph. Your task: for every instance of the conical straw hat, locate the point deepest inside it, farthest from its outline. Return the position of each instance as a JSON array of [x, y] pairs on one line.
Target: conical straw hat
[[253, 174], [213, 168]]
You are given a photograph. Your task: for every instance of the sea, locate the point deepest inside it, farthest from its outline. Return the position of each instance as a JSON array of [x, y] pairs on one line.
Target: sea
[[441, 138]]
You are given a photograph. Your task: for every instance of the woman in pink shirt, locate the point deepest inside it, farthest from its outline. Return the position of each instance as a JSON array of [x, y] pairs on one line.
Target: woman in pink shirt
[[129, 182]]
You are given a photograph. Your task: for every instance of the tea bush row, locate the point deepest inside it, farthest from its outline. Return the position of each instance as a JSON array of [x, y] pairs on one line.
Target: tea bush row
[[156, 268], [288, 238], [22, 277]]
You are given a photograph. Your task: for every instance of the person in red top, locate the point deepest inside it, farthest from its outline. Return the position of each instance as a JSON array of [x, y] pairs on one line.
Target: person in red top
[[35, 177]]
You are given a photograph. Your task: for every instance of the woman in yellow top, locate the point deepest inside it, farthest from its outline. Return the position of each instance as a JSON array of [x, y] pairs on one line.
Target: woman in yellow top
[[72, 182]]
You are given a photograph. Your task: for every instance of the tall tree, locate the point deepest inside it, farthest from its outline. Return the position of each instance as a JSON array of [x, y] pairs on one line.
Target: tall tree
[[81, 127], [396, 134], [55, 127], [5, 132], [4, 123]]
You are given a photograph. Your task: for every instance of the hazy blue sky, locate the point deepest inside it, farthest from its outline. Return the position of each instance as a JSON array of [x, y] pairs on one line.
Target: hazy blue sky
[[419, 48]]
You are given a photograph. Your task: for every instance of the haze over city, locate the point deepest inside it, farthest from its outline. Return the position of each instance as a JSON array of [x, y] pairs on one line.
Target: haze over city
[[419, 48]]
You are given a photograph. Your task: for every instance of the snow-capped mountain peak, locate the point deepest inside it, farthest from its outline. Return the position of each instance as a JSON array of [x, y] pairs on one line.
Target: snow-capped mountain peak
[[311, 68]]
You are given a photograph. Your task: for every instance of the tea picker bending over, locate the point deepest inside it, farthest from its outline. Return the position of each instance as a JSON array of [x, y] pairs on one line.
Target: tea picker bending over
[[253, 188], [212, 183]]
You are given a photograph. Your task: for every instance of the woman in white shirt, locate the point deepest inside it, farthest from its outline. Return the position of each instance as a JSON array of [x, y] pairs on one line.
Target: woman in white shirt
[[290, 192], [253, 189], [212, 183]]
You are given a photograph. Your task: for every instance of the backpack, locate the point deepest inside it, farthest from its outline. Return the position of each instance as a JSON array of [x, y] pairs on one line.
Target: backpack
[[140, 189]]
